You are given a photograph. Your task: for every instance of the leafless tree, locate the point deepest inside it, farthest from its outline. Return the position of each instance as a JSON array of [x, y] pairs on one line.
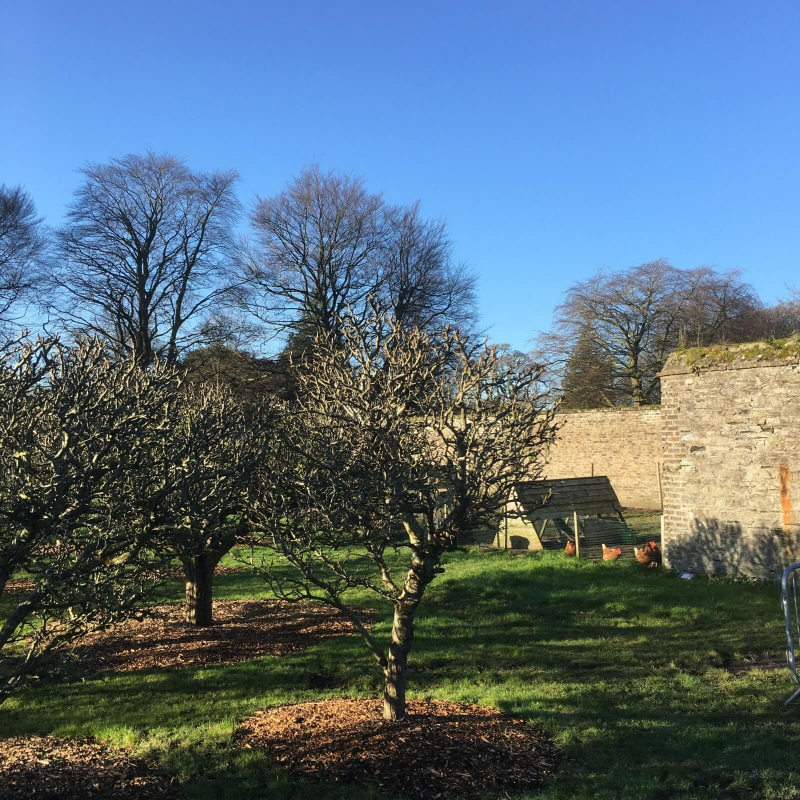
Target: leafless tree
[[719, 309], [399, 440], [778, 321], [219, 441], [318, 250], [421, 285], [326, 244], [146, 253], [82, 441], [22, 244], [632, 319]]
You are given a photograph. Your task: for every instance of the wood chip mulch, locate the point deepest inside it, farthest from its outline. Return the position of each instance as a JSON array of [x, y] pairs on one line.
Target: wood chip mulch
[[440, 750], [18, 586], [49, 768], [241, 631]]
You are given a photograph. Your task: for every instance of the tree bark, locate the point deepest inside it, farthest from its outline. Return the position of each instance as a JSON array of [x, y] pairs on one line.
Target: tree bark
[[199, 573], [395, 672]]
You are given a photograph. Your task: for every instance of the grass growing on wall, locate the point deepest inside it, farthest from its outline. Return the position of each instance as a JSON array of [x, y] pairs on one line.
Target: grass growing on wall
[[633, 672], [718, 354]]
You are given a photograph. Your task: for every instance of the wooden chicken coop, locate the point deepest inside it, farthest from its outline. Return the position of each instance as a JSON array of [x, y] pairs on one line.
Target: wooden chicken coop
[[558, 504]]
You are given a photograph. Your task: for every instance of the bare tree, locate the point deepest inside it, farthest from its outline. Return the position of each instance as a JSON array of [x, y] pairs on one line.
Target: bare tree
[[326, 244], [22, 245], [219, 441], [146, 253], [778, 321], [421, 286], [82, 438], [719, 309], [318, 250], [632, 319], [399, 440]]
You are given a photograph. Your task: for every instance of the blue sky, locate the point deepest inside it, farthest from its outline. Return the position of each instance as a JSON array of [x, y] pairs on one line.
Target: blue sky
[[555, 137]]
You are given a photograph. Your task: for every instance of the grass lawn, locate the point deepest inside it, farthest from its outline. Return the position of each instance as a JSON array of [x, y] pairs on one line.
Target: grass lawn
[[625, 667]]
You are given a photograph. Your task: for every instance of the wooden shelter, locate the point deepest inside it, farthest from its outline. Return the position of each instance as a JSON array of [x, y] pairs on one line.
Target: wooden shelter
[[536, 504]]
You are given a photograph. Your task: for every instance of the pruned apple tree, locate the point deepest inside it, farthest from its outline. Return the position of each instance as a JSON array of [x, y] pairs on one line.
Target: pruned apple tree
[[399, 441], [220, 439], [83, 440]]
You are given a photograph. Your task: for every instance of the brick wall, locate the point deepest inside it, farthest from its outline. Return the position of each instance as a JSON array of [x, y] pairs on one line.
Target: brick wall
[[731, 436], [622, 443]]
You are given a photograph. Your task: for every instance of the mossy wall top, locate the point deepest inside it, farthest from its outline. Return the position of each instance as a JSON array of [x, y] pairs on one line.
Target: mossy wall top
[[734, 356]]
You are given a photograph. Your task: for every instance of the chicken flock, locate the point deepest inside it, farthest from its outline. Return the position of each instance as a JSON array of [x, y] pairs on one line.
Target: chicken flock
[[648, 556]]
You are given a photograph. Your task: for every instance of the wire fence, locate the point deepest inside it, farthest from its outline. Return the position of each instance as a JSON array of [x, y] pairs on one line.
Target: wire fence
[[636, 529]]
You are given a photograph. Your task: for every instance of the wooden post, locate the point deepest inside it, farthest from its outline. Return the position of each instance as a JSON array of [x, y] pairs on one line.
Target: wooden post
[[660, 490], [577, 534]]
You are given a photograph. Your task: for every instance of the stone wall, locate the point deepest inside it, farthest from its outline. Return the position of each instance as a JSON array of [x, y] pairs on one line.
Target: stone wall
[[731, 435], [622, 443]]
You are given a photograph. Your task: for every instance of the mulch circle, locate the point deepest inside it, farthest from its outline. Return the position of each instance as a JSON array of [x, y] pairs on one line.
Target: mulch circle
[[440, 750], [241, 631], [49, 768]]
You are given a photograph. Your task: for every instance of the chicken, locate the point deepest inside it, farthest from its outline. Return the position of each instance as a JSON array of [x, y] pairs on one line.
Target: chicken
[[570, 548], [649, 555], [611, 553]]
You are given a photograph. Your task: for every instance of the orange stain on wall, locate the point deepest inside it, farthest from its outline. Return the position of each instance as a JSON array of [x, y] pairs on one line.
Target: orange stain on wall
[[785, 479]]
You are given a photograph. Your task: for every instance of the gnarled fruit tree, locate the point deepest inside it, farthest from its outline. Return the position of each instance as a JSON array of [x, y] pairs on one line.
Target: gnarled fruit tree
[[399, 439], [81, 436]]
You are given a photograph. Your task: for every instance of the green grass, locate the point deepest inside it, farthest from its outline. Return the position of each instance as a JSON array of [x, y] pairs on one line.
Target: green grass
[[625, 667]]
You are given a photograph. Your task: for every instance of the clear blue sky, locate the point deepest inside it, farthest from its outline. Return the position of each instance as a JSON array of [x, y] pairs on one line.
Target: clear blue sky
[[555, 137]]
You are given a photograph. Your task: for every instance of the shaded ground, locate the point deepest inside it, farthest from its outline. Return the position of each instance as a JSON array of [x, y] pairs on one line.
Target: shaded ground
[[241, 631], [18, 586], [440, 750], [50, 768]]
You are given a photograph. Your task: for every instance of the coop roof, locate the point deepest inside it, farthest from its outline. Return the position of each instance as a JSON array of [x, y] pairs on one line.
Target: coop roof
[[552, 499]]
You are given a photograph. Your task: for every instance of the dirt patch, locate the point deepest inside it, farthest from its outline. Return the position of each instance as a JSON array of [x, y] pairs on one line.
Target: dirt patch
[[440, 750], [242, 631], [767, 662], [49, 768]]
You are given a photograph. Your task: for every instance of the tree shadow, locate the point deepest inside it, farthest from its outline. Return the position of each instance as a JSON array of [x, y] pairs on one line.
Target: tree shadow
[[725, 548]]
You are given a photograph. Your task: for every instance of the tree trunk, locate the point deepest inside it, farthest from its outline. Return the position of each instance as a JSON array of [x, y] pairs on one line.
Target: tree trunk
[[199, 573], [395, 672]]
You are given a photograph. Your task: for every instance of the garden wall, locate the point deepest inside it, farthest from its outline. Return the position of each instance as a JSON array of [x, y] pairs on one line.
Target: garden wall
[[622, 443], [731, 431]]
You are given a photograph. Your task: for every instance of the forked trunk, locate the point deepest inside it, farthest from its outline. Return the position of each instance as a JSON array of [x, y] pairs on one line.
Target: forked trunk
[[199, 573]]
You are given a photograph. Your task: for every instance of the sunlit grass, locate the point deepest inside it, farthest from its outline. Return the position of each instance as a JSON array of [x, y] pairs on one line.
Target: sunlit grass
[[625, 667]]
